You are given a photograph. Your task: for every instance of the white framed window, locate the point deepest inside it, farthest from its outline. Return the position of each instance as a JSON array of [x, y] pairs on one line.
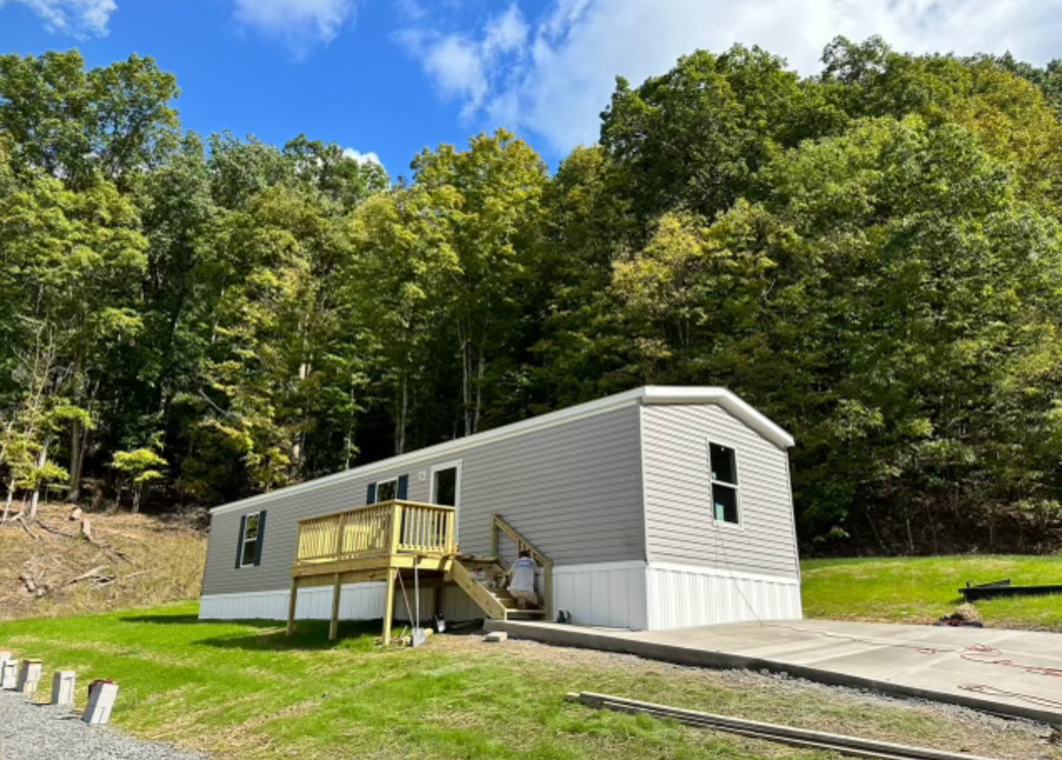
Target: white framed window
[[446, 484], [250, 551], [726, 496]]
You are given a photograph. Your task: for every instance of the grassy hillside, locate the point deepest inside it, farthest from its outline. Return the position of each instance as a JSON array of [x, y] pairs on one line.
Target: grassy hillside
[[920, 590], [136, 561], [247, 691]]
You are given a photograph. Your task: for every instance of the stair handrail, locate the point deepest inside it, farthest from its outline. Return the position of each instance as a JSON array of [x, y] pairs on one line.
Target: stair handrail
[[500, 523]]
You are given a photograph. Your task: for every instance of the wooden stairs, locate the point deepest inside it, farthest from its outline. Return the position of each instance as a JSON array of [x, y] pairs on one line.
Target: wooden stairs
[[482, 578]]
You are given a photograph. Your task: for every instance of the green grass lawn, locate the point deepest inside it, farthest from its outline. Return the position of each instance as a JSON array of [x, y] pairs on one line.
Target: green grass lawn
[[921, 590], [247, 691]]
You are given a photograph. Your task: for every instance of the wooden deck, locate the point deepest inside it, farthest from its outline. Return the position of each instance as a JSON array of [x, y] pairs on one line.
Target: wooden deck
[[373, 543], [381, 542]]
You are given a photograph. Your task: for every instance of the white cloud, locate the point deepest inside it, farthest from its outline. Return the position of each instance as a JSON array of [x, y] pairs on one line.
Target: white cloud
[[462, 66], [300, 23], [362, 158], [505, 33], [556, 78], [78, 18], [457, 66]]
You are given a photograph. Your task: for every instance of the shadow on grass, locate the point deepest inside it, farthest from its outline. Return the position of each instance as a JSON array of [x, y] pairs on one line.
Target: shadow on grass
[[177, 620], [310, 635]]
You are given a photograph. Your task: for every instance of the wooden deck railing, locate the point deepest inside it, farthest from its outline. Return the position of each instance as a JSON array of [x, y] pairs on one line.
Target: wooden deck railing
[[393, 527]]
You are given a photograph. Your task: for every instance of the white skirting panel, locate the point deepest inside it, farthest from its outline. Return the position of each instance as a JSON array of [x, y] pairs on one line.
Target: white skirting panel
[[631, 595], [359, 601], [680, 596], [611, 594]]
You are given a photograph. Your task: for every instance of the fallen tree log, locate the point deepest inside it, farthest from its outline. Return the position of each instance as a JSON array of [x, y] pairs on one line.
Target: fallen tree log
[[95, 574]]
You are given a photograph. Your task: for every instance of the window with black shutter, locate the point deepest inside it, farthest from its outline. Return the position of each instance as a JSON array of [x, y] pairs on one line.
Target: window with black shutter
[[251, 533]]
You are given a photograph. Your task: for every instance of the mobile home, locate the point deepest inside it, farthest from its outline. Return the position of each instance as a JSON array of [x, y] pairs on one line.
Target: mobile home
[[656, 508]]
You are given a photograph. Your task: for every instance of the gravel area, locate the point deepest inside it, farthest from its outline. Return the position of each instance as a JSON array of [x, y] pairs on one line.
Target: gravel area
[[40, 732], [790, 690]]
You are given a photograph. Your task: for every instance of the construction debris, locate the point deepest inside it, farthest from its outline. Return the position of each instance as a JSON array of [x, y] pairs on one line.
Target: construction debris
[[1005, 589], [64, 686], [29, 677], [8, 674], [851, 746], [102, 696], [496, 637], [964, 615]]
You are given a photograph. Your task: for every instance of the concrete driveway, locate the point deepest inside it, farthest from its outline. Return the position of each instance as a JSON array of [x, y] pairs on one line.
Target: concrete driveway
[[1009, 672]]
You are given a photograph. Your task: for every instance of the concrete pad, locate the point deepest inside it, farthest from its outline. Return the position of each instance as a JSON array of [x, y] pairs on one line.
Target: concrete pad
[[1016, 673]]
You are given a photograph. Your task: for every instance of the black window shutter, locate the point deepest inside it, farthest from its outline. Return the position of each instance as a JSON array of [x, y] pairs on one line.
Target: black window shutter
[[261, 538], [370, 498], [403, 487], [239, 545]]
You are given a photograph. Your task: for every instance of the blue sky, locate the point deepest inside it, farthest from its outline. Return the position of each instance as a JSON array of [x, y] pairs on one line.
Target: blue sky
[[392, 77]]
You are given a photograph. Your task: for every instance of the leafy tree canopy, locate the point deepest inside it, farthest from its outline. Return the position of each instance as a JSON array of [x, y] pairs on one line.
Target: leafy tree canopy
[[872, 255]]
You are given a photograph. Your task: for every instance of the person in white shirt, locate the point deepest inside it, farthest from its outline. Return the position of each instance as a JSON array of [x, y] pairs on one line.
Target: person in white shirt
[[522, 581]]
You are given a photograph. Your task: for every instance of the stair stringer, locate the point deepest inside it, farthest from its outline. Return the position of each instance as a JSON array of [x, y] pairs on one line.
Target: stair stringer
[[479, 593]]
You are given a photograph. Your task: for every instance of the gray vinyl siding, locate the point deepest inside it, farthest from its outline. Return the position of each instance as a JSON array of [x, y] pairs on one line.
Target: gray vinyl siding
[[678, 510], [574, 489]]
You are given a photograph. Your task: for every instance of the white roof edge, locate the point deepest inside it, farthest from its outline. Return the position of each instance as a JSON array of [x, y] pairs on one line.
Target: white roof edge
[[677, 394], [644, 395]]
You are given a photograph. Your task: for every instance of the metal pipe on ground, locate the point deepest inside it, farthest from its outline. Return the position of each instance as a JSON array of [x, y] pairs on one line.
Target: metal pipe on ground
[[851, 746]]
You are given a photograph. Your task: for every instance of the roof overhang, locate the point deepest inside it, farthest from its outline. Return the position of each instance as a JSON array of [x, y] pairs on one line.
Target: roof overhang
[[647, 395], [678, 394]]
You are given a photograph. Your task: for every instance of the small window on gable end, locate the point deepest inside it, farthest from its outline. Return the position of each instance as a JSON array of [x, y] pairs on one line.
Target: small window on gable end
[[723, 463], [249, 540]]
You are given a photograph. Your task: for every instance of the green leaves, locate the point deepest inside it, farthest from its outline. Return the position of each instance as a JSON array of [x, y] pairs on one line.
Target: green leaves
[[891, 299], [75, 124], [872, 255]]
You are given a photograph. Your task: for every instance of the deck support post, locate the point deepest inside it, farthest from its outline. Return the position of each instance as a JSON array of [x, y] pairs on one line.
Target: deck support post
[[337, 593], [291, 605], [389, 608], [547, 591]]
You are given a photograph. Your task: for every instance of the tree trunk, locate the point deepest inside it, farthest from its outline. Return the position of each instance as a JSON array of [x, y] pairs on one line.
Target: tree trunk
[[466, 401], [42, 458], [480, 370], [403, 412], [349, 440], [136, 500], [298, 449], [77, 460], [34, 505], [10, 499], [910, 534]]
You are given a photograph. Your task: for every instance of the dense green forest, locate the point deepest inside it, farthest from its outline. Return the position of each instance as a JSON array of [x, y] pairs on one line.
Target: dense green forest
[[872, 256]]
